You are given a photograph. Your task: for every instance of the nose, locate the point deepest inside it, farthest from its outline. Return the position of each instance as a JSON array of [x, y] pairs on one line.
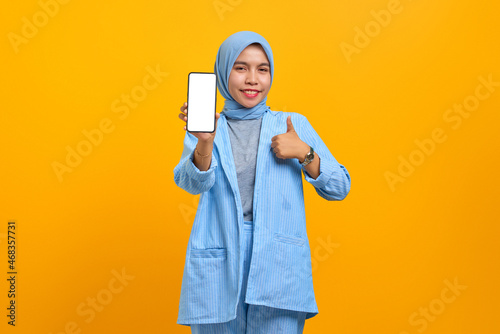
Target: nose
[[251, 78]]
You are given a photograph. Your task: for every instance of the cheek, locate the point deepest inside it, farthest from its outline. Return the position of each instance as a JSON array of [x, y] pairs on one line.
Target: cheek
[[268, 83], [267, 80], [232, 83]]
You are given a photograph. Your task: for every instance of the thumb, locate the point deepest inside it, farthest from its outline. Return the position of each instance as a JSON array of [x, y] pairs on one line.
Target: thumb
[[289, 125]]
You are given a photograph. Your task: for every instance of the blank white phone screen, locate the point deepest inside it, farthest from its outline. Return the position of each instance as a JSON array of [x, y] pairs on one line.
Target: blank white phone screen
[[202, 90]]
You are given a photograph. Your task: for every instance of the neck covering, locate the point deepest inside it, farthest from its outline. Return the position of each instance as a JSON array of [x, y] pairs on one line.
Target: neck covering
[[229, 50]]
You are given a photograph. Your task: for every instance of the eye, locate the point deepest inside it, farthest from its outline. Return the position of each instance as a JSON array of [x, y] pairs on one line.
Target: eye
[[239, 68], [264, 69]]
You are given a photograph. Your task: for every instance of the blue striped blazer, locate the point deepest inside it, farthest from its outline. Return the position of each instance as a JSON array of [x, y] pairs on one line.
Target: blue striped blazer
[[280, 272]]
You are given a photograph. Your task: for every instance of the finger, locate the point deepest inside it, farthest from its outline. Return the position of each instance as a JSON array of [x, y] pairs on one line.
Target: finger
[[184, 106], [289, 125], [217, 116], [274, 144], [183, 117], [274, 138]]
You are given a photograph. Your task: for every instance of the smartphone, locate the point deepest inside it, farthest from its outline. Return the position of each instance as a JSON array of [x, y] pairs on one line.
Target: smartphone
[[202, 95]]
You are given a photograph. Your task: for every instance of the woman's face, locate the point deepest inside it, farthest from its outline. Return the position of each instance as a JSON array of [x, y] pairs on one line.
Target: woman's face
[[250, 77]]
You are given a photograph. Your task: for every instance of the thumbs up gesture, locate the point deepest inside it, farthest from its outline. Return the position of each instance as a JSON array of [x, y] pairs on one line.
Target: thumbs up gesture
[[288, 145]]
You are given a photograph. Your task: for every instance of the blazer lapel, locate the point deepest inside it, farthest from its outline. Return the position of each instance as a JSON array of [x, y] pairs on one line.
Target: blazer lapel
[[223, 145], [263, 156]]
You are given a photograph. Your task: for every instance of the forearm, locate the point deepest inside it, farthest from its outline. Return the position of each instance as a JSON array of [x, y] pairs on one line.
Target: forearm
[[203, 155], [330, 179], [313, 167], [187, 175]]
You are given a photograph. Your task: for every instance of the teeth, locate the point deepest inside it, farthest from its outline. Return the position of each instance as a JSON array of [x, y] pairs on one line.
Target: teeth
[[250, 92]]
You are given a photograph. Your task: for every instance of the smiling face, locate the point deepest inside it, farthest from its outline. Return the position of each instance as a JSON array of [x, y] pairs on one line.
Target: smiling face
[[250, 77]]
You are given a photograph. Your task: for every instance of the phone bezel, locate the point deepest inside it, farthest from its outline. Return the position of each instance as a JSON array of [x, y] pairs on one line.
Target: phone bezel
[[215, 101]]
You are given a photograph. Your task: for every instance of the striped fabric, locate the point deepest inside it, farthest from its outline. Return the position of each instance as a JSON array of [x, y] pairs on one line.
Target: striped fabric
[[280, 269], [255, 319]]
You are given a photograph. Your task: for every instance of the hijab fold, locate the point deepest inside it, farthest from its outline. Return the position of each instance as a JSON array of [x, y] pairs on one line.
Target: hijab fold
[[228, 52]]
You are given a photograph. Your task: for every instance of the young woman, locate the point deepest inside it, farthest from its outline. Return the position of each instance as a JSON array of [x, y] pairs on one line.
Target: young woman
[[248, 260]]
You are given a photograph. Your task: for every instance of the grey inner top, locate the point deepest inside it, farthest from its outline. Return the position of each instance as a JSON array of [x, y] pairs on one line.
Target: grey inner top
[[244, 135]]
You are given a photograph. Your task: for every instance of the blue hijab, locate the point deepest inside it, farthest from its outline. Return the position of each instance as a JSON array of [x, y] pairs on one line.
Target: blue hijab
[[229, 50]]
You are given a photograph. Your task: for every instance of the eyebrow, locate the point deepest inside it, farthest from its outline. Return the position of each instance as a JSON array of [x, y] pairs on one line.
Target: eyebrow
[[244, 63]]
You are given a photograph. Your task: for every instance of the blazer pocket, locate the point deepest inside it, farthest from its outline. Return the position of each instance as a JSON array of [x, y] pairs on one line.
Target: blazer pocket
[[209, 253], [289, 239]]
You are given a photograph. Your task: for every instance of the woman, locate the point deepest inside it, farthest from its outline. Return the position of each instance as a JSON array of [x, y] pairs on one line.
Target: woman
[[248, 260]]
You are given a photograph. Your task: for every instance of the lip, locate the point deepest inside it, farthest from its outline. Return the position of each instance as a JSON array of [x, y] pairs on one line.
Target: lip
[[255, 94]]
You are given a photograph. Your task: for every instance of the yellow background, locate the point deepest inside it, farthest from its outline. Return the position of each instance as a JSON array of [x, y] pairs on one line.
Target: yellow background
[[391, 250]]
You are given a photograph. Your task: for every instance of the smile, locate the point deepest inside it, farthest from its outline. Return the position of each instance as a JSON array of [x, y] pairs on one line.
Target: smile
[[250, 93]]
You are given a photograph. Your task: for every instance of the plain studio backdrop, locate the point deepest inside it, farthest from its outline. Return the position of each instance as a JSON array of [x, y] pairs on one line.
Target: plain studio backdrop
[[406, 95]]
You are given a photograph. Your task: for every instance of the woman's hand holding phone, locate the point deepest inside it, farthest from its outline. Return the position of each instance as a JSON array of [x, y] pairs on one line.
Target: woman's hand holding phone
[[202, 136], [203, 153]]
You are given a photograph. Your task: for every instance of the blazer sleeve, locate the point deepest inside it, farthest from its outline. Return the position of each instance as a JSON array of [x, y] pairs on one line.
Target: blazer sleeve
[[333, 182], [187, 176]]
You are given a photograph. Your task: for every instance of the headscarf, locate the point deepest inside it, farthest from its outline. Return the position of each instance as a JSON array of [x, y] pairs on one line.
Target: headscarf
[[229, 50]]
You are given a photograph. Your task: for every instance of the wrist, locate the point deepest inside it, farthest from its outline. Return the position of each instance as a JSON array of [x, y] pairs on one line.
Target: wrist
[[308, 158], [301, 154], [204, 148]]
